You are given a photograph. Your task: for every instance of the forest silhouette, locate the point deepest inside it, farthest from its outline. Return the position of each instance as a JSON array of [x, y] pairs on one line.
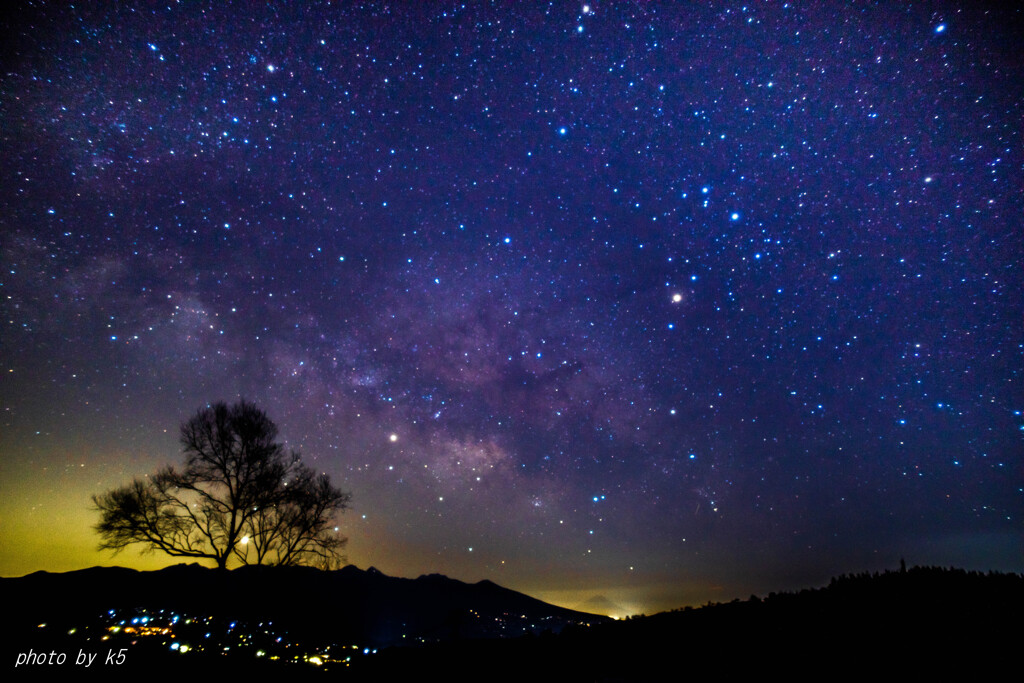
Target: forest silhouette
[[918, 621]]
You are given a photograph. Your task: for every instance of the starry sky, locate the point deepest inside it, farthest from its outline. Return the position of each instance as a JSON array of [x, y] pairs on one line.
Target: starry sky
[[624, 305]]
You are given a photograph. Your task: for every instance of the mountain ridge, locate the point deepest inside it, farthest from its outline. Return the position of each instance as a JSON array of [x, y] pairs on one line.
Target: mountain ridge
[[347, 604], [923, 621]]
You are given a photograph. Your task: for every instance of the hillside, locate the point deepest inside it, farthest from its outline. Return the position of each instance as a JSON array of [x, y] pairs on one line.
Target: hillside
[[188, 618]]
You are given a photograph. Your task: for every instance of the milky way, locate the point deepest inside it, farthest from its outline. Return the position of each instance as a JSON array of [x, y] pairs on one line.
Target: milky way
[[661, 303]]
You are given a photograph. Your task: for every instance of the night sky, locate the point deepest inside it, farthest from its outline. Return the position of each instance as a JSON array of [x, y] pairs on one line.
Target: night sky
[[627, 306]]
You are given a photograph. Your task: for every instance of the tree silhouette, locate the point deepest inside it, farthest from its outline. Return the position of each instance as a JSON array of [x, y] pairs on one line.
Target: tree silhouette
[[238, 496]]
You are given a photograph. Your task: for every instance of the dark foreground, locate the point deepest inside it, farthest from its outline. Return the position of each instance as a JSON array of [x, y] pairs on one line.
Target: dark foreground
[[921, 622]]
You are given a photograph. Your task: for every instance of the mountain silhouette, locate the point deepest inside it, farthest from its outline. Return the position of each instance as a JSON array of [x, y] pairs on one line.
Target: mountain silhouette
[[346, 605], [919, 623]]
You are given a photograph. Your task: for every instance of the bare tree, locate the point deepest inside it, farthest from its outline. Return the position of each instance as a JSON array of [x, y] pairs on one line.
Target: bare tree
[[238, 496], [299, 529]]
